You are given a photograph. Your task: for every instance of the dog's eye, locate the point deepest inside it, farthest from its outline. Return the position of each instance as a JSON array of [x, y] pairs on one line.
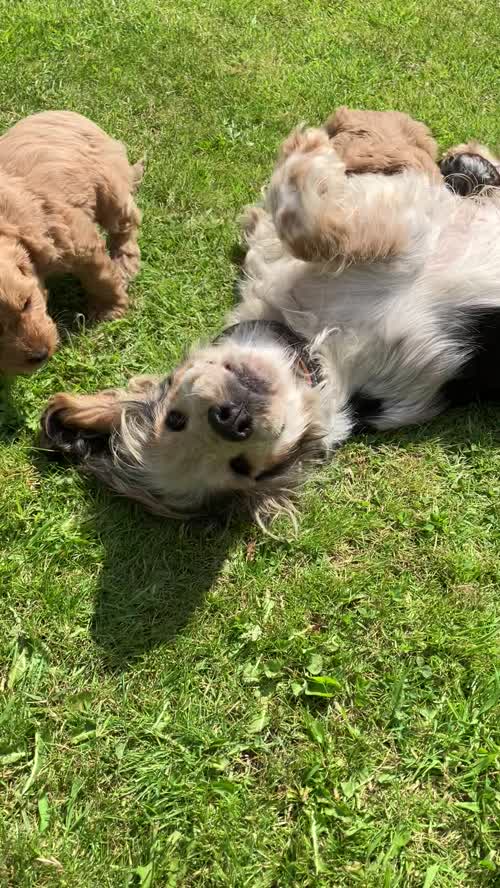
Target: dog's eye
[[27, 304], [240, 466], [176, 421]]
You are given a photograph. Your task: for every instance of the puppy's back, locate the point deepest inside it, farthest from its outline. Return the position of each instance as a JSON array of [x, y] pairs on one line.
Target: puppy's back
[[61, 153]]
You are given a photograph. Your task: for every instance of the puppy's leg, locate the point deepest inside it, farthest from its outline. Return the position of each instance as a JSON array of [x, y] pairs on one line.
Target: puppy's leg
[[99, 275], [118, 213], [322, 214], [123, 246]]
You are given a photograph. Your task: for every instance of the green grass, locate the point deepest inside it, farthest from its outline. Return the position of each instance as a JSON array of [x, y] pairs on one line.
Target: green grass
[[161, 718]]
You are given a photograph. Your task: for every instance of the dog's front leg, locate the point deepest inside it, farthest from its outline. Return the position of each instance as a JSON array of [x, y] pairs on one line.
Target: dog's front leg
[[72, 424], [80, 425], [321, 214]]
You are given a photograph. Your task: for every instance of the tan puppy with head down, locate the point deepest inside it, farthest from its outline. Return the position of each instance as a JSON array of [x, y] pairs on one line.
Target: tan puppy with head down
[[60, 177]]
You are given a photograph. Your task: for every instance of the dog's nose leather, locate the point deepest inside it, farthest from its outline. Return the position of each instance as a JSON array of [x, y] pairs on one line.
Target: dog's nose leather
[[231, 421], [37, 357]]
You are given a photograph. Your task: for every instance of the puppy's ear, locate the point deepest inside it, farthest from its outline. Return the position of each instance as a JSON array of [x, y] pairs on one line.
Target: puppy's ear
[[40, 248], [37, 244], [23, 261]]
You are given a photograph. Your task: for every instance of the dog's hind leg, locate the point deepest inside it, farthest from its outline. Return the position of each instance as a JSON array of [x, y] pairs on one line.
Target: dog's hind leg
[[119, 214], [321, 213]]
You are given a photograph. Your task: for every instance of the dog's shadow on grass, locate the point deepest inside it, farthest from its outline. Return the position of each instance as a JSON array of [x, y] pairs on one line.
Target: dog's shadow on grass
[[155, 575], [67, 305], [11, 419], [456, 429]]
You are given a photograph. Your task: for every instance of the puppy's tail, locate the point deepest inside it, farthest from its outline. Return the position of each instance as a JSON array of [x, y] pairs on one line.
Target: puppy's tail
[[138, 173]]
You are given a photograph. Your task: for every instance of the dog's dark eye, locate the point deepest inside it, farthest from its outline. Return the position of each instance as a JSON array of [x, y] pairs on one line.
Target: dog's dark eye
[[176, 421], [27, 304], [240, 466]]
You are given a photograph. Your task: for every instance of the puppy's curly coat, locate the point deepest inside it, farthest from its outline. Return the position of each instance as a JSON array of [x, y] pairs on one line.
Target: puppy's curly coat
[[60, 177], [367, 301]]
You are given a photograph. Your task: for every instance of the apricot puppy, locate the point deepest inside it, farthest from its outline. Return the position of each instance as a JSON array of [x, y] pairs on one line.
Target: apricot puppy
[[61, 177]]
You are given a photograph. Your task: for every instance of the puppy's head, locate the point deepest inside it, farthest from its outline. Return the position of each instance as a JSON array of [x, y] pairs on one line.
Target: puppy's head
[[233, 424], [235, 420], [28, 336]]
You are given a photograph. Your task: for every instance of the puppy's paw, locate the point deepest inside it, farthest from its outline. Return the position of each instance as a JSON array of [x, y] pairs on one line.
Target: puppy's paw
[[250, 218], [99, 313], [128, 263]]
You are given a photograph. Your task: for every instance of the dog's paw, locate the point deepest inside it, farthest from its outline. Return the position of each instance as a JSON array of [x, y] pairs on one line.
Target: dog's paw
[[59, 436], [97, 313], [128, 263]]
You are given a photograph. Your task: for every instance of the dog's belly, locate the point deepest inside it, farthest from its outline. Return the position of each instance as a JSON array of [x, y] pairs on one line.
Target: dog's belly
[[479, 377]]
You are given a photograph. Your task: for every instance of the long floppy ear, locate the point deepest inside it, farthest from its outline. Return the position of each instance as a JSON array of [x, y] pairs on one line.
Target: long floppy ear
[[39, 246], [23, 218]]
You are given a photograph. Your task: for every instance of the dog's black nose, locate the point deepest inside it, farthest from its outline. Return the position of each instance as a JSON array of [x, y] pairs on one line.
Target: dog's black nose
[[37, 357], [231, 421]]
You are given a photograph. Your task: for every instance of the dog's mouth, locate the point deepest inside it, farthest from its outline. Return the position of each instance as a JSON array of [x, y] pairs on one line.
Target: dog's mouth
[[251, 380], [247, 332], [36, 360]]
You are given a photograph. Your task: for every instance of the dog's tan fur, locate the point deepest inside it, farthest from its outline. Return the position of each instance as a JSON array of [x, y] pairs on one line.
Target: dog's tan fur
[[382, 142], [360, 142], [60, 177], [324, 230]]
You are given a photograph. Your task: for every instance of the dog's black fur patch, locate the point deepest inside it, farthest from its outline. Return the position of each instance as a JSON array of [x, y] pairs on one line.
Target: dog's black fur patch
[[467, 174], [479, 377], [251, 381], [364, 411]]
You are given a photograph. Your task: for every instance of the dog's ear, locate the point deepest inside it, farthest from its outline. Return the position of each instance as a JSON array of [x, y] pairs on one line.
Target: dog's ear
[[40, 248], [36, 246]]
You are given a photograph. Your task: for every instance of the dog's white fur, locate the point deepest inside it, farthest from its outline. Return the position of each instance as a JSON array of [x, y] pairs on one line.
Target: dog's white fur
[[383, 326], [392, 263]]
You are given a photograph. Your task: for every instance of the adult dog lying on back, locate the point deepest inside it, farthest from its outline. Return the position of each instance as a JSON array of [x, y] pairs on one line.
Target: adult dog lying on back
[[367, 301]]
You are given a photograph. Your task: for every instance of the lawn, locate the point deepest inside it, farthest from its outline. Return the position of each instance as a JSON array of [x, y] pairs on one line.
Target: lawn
[[205, 705]]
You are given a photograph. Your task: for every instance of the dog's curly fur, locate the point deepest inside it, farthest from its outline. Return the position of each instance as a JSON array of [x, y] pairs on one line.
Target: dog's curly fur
[[394, 283], [381, 142], [60, 177]]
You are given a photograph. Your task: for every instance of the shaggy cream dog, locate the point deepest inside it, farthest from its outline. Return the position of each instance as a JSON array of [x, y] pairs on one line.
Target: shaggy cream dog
[[60, 177], [367, 301]]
